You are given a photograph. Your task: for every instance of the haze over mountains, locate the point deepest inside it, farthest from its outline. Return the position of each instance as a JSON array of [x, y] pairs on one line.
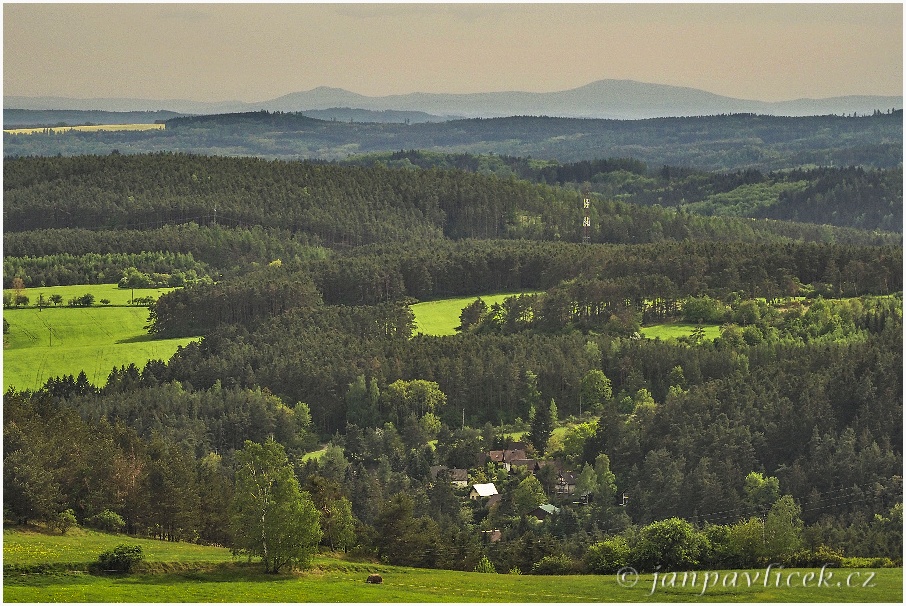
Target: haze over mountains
[[612, 99]]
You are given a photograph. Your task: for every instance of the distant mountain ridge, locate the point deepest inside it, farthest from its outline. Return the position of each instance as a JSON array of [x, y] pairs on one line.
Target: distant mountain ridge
[[612, 99]]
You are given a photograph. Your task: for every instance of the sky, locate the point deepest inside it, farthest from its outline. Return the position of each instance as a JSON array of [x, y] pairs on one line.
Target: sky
[[255, 52]]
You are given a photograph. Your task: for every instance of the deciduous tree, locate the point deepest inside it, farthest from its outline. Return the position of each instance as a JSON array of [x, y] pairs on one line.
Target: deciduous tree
[[272, 518]]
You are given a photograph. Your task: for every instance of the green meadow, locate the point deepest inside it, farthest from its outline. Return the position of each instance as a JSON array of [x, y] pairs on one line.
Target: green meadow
[[440, 318], [79, 547], [54, 341], [675, 330], [181, 572]]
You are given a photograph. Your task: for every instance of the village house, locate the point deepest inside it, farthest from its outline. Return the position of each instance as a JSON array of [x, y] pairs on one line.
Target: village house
[[530, 464], [509, 458], [482, 491], [566, 483], [458, 477], [542, 512]]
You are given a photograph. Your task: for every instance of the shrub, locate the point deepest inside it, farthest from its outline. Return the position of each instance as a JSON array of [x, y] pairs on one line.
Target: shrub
[[608, 556], [819, 556], [673, 544], [107, 520], [64, 521], [855, 562], [485, 565], [121, 559], [86, 300], [703, 309], [554, 564]]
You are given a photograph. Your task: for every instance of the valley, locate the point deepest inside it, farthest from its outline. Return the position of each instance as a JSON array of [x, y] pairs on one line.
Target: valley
[[417, 346]]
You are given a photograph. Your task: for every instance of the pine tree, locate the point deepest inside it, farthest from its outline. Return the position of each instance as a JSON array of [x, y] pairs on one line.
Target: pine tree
[[542, 426]]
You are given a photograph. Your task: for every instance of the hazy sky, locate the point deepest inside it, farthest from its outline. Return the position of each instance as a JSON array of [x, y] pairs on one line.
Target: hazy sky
[[255, 52]]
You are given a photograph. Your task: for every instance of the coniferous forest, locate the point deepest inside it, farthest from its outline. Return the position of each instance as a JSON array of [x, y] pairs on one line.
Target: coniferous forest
[[777, 440]]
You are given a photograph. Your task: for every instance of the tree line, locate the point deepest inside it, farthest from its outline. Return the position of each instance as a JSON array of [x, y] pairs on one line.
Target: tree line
[[721, 143], [58, 257], [64, 269], [599, 279]]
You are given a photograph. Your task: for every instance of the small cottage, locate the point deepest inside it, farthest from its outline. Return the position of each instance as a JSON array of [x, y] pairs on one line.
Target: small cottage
[[542, 512], [482, 491]]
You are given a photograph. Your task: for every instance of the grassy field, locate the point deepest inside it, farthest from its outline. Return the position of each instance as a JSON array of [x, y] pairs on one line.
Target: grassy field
[[116, 295], [674, 330], [191, 573], [440, 318], [50, 342], [78, 547], [92, 128]]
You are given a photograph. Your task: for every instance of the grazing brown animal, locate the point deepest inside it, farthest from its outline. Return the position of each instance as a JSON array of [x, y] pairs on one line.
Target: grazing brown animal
[[374, 578]]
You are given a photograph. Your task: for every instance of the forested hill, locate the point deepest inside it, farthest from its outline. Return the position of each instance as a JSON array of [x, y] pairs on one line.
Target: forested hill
[[846, 196], [726, 142], [347, 205]]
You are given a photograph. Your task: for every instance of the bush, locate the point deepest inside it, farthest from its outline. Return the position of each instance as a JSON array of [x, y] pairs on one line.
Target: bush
[[485, 565], [608, 556], [107, 520], [121, 559], [856, 562], [64, 521], [703, 310], [672, 544], [820, 556], [86, 300], [554, 564]]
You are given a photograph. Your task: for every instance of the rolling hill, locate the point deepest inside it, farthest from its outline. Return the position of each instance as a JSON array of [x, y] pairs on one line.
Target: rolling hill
[[611, 99]]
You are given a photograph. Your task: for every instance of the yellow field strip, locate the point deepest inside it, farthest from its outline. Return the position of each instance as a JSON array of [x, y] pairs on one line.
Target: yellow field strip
[[93, 128]]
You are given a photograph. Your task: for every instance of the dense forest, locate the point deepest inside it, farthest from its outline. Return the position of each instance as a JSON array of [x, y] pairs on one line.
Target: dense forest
[[725, 143], [227, 212], [780, 440], [846, 196]]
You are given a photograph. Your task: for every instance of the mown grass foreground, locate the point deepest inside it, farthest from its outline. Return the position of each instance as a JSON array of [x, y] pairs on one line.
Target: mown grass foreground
[[52, 342], [179, 572], [342, 582]]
